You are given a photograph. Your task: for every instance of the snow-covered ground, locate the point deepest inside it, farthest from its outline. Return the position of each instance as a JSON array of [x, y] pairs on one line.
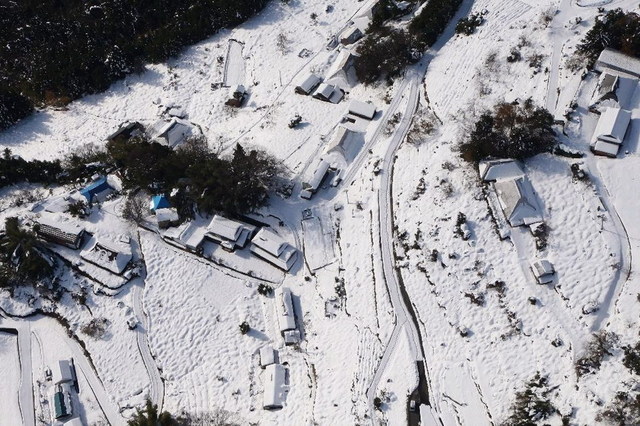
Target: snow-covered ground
[[481, 340], [10, 371]]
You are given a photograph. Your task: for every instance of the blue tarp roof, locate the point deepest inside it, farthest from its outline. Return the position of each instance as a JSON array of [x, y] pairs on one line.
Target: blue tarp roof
[[95, 188], [159, 202]]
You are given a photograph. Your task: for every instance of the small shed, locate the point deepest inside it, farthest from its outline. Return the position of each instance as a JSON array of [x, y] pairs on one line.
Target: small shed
[[324, 92], [309, 188], [61, 405], [284, 309], [362, 109], [605, 148], [308, 85], [543, 271], [274, 387], [126, 131], [267, 356]]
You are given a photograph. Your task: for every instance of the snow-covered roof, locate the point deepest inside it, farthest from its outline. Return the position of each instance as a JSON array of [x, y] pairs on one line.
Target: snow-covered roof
[[306, 86], [317, 177], [324, 91], [340, 72], [519, 202], [225, 228], [270, 242], [351, 35], [171, 133], [167, 215], [62, 372], [61, 223], [362, 109], [110, 255], [267, 355], [284, 309], [614, 60], [612, 125], [543, 267], [496, 170], [606, 148], [73, 422], [274, 391]]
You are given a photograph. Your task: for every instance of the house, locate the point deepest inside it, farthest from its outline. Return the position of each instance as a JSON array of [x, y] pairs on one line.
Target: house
[[610, 131], [615, 62], [171, 133], [126, 131], [269, 246], [167, 217], [311, 186], [189, 235], [308, 85], [342, 72], [543, 271], [64, 372], [274, 387], [501, 169], [518, 201], [159, 202], [230, 234], [267, 356], [284, 310], [328, 93], [97, 191], [351, 35], [57, 230], [114, 257], [237, 95], [362, 109]]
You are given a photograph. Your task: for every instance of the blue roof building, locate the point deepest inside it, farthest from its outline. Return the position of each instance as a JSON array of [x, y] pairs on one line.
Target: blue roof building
[[96, 188], [159, 202]]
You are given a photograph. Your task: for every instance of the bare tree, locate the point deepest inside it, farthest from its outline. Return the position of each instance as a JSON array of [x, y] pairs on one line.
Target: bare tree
[[135, 208]]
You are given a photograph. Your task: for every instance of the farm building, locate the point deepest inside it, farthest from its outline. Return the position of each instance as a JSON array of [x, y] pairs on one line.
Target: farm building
[[328, 93], [308, 85], [362, 109], [167, 217], [267, 356], [311, 186], [230, 234], [237, 95], [108, 255], [57, 230], [615, 62], [269, 246], [126, 131], [342, 73], [159, 202], [64, 372], [189, 235], [274, 387], [97, 191], [351, 35], [61, 404], [610, 131], [171, 133], [518, 201], [497, 170], [284, 310], [543, 271]]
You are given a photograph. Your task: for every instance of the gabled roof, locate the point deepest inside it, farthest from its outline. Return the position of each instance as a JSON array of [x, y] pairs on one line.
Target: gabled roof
[[519, 202], [274, 391], [95, 188], [496, 170], [543, 267], [612, 125], [107, 254], [606, 148], [362, 109], [225, 228], [159, 202], [618, 61], [307, 85], [270, 242]]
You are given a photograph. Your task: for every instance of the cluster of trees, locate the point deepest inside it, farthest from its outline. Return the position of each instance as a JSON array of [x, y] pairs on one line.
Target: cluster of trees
[[23, 259], [387, 51], [149, 416], [615, 29], [511, 130], [235, 184], [52, 52]]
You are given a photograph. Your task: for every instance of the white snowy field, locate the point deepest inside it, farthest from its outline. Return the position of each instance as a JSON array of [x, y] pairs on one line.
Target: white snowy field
[[482, 340], [10, 372]]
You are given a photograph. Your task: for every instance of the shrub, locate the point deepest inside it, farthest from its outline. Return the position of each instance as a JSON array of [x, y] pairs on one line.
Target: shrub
[[78, 209], [432, 21], [600, 346], [265, 289], [383, 54], [631, 358], [135, 209], [96, 328], [468, 25], [244, 328], [623, 410], [510, 131], [532, 404]]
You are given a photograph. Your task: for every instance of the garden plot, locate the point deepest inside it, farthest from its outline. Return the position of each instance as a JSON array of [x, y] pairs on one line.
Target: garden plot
[[234, 73], [10, 372], [318, 243]]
